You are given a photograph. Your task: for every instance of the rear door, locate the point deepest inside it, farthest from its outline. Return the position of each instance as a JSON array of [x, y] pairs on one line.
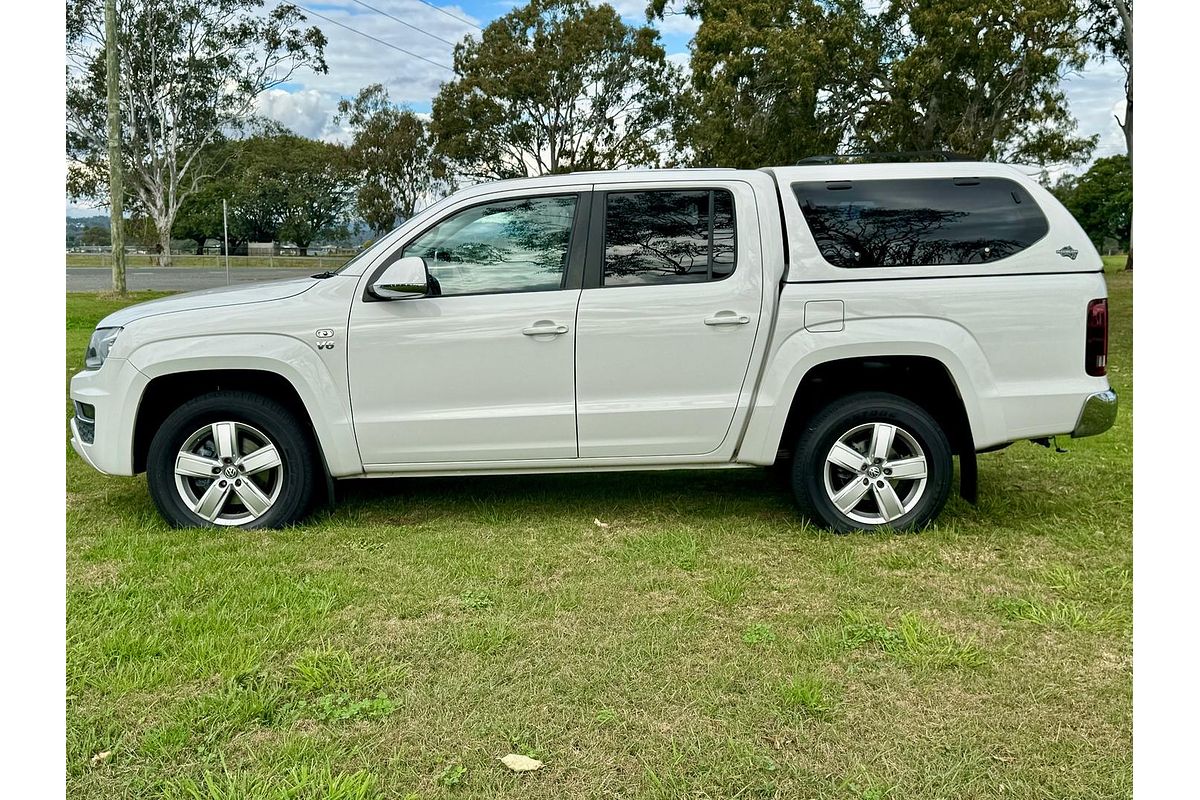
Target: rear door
[[671, 305]]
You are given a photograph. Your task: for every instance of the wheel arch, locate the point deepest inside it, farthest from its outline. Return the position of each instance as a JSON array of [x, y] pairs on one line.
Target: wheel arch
[[921, 379], [166, 393], [275, 366]]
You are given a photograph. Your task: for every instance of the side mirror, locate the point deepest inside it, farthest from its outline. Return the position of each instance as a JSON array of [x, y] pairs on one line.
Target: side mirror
[[402, 280]]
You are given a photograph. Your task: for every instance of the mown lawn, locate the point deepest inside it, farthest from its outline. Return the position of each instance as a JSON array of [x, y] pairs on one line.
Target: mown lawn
[[696, 641]]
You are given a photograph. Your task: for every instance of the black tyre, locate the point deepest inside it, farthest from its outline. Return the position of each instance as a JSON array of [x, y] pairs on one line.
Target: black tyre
[[232, 459], [872, 461]]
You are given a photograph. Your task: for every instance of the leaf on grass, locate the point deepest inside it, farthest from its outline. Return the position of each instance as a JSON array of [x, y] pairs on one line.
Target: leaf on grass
[[600, 524], [519, 763], [101, 756]]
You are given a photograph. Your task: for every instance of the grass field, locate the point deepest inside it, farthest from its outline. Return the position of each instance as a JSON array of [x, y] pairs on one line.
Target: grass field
[[211, 262], [655, 635]]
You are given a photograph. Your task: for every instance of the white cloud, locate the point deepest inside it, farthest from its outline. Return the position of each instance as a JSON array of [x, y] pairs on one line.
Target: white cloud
[[85, 210], [356, 61], [1097, 97], [308, 112]]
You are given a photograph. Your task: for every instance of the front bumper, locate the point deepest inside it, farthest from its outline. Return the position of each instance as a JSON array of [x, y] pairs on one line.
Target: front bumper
[[82, 449], [112, 392], [1098, 414]]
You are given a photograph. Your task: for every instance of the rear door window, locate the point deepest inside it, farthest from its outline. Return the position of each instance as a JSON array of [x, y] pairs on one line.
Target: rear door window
[[919, 221], [669, 236]]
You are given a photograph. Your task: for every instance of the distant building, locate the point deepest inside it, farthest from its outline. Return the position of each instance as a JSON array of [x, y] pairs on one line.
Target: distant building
[[262, 249]]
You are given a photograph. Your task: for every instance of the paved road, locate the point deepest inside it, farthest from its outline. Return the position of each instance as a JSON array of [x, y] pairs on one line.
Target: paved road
[[174, 279]]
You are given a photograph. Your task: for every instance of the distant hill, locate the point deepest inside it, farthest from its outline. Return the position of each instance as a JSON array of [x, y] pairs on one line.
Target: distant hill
[[358, 234], [79, 223]]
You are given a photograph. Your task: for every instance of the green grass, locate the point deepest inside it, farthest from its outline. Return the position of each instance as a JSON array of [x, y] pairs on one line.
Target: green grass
[[705, 643], [210, 262], [1113, 263]]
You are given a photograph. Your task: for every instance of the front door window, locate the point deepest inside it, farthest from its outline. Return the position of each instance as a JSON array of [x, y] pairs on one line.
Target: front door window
[[515, 245]]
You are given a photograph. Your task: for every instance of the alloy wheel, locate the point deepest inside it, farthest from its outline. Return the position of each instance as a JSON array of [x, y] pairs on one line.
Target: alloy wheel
[[876, 473], [228, 473]]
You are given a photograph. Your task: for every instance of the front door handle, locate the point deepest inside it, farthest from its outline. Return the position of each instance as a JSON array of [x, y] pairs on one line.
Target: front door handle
[[545, 328], [727, 318]]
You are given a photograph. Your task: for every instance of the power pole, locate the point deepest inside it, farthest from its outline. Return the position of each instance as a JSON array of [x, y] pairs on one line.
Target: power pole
[[116, 179], [225, 218]]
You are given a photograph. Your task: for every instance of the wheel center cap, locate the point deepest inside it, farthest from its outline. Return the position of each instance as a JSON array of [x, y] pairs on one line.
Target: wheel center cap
[[874, 471], [231, 471]]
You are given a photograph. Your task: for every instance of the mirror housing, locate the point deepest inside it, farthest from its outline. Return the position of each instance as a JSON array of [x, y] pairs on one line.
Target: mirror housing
[[402, 280]]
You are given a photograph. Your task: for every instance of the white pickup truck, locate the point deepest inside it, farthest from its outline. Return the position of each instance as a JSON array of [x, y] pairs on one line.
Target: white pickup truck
[[860, 324]]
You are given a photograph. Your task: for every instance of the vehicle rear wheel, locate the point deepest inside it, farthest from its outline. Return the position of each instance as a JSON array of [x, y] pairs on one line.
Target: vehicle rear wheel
[[232, 459], [872, 461]]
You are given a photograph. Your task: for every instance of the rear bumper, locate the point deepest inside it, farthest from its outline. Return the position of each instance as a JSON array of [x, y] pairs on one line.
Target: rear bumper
[[1098, 414]]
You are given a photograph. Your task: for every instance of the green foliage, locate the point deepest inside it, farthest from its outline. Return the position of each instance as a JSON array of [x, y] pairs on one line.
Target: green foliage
[[555, 86], [95, 235], [342, 707], [1102, 200], [392, 154], [316, 187], [758, 634], [979, 77], [279, 186], [452, 775], [777, 80]]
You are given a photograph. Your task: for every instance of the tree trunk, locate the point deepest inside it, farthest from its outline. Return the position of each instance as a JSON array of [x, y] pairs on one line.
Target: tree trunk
[[1127, 23], [116, 183], [200, 246], [303, 248], [164, 244]]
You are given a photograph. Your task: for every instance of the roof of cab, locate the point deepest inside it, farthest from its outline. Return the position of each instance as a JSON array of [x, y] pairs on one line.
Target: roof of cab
[[784, 175]]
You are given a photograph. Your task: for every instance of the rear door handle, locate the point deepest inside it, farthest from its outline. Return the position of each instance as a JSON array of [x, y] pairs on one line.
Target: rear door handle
[[727, 318], [545, 328]]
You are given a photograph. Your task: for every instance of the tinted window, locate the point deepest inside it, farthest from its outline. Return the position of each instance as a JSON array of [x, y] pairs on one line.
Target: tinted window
[[668, 237], [919, 222], [506, 246]]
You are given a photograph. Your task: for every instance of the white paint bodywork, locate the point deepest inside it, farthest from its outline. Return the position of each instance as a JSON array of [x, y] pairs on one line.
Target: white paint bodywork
[[448, 385]]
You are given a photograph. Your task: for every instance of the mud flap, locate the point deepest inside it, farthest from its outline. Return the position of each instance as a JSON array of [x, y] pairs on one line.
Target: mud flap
[[968, 475]]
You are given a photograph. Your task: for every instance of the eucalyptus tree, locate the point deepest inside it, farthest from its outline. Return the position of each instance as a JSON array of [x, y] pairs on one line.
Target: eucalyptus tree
[[979, 77], [556, 86], [774, 81], [393, 156], [190, 74]]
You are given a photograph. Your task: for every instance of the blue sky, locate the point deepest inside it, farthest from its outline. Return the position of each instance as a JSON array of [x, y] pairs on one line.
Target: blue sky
[[307, 103]]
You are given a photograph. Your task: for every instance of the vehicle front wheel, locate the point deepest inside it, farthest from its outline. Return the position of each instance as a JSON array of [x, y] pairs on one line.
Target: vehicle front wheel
[[232, 459], [872, 461]]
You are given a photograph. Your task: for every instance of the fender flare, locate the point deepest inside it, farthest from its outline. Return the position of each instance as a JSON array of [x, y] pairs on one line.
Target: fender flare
[[941, 340], [327, 404]]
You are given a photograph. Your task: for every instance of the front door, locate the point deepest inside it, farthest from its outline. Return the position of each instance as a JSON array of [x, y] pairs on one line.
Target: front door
[[483, 369], [667, 320]]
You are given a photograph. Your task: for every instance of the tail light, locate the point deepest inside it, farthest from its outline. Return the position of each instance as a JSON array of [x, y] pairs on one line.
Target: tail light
[[1095, 360]]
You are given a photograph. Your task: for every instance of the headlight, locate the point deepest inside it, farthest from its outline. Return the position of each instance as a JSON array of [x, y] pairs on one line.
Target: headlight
[[98, 347]]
